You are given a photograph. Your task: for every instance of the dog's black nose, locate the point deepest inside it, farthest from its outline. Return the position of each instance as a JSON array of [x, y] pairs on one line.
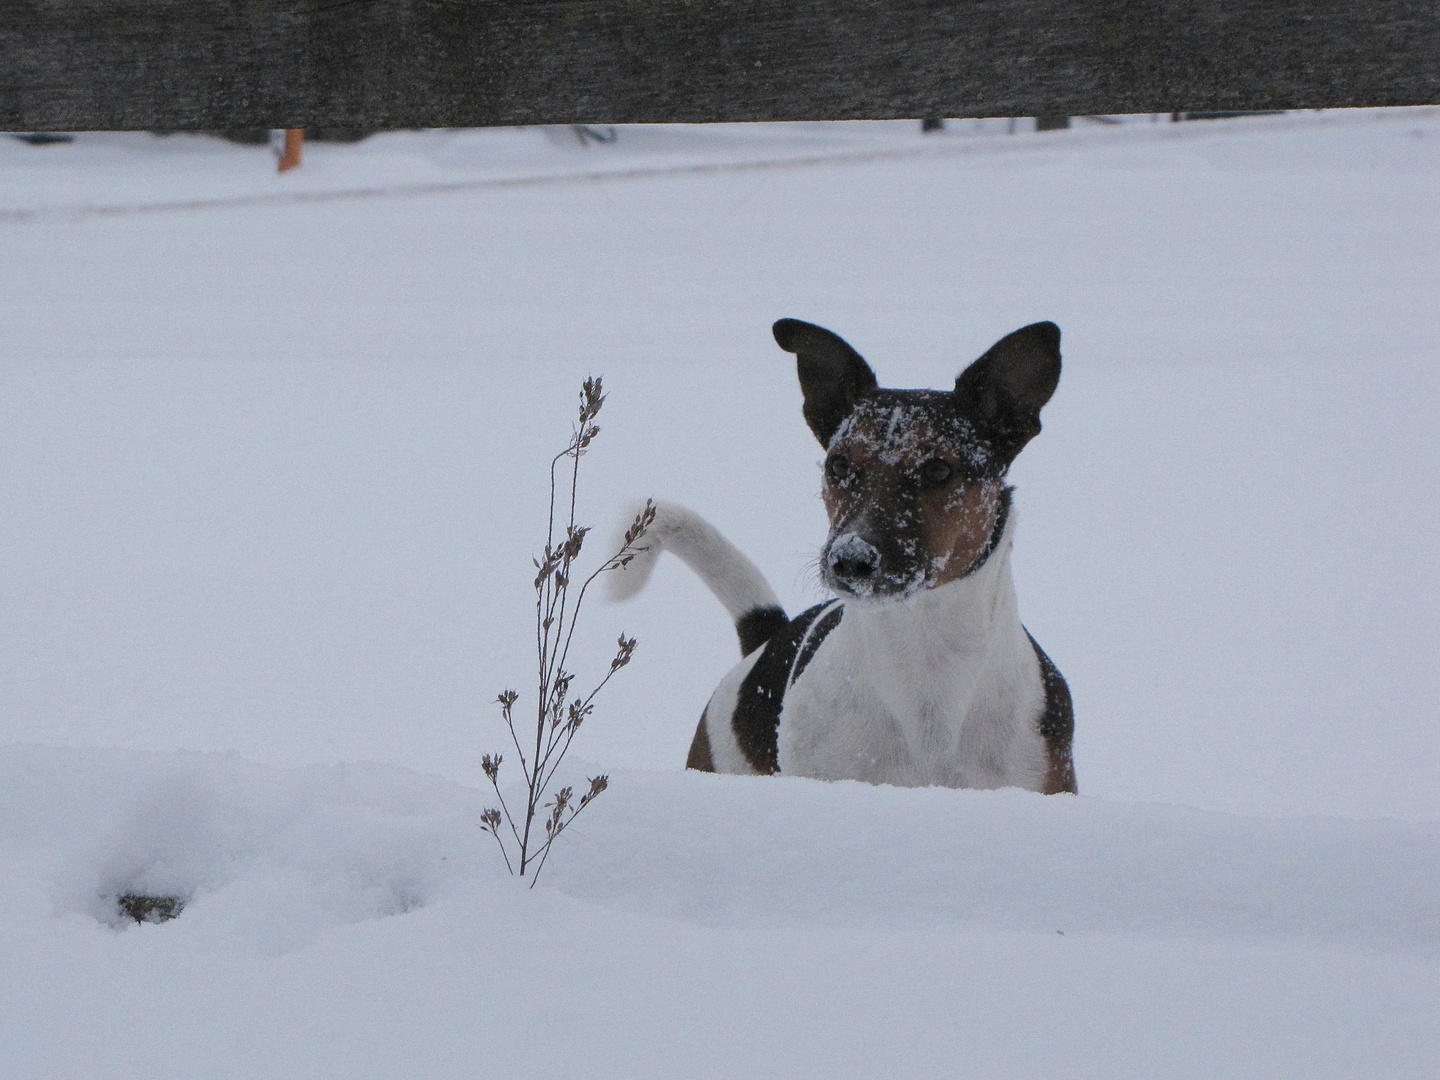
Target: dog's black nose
[[853, 559]]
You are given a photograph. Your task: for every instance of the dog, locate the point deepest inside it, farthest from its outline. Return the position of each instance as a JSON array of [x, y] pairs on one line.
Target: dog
[[919, 672]]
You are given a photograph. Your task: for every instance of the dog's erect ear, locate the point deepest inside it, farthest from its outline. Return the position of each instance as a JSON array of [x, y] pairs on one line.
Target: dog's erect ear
[[1005, 389], [833, 376]]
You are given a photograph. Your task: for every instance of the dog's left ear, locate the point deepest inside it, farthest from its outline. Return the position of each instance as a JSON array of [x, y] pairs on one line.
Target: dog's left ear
[[833, 376], [1004, 391]]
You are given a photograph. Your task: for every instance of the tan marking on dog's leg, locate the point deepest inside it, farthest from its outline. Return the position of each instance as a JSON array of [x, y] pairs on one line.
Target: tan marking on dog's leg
[[1060, 773], [700, 759]]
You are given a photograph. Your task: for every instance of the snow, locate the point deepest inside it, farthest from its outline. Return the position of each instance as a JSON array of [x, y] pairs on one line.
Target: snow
[[115, 173], [271, 468]]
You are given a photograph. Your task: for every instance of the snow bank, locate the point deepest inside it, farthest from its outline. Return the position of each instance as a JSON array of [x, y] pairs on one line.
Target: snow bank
[[262, 858], [348, 921], [268, 858]]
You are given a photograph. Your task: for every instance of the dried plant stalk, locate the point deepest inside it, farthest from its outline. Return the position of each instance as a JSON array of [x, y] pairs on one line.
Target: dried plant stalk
[[558, 713]]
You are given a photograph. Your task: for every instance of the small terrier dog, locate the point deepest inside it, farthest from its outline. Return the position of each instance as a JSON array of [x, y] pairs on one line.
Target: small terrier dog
[[920, 672]]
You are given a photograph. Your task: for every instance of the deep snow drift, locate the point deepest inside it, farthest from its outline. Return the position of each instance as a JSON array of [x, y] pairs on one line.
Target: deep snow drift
[[271, 473]]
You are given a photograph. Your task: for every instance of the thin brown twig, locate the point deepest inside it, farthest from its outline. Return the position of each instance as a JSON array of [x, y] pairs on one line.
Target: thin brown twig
[[544, 853], [556, 619]]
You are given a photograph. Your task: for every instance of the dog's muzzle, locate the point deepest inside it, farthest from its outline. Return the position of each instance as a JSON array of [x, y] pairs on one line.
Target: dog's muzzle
[[853, 563]]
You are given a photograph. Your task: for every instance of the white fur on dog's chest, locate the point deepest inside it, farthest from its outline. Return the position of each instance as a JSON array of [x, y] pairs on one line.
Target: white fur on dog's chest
[[943, 688]]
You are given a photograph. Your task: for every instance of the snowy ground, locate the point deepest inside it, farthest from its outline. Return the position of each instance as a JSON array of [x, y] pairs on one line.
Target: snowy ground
[[271, 456]]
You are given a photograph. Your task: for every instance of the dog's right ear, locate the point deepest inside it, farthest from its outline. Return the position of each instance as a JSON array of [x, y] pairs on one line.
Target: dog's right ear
[[833, 376]]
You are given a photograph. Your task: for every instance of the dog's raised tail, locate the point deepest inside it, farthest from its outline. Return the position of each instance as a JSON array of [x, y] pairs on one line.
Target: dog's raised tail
[[735, 580]]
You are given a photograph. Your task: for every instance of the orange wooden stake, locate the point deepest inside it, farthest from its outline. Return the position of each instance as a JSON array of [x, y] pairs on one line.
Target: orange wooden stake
[[294, 140]]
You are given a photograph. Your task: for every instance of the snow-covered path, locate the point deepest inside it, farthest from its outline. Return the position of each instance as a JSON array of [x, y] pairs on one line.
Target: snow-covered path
[[270, 478]]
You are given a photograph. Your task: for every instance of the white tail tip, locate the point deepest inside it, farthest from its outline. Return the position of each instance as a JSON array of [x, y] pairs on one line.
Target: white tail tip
[[626, 581], [733, 578]]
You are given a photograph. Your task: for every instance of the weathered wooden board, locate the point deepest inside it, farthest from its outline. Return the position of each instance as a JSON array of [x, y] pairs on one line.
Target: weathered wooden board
[[198, 64]]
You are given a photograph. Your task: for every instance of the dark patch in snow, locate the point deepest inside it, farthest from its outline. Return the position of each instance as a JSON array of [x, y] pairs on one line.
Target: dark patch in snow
[[43, 138], [151, 909]]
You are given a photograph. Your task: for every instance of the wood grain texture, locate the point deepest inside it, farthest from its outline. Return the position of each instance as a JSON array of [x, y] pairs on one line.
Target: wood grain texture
[[208, 64]]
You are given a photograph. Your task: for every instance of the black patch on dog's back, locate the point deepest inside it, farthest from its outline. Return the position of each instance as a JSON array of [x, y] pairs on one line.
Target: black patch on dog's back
[[762, 693], [759, 625], [828, 622]]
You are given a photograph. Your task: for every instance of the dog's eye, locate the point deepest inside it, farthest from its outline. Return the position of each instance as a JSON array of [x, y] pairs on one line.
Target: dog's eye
[[936, 472], [838, 468]]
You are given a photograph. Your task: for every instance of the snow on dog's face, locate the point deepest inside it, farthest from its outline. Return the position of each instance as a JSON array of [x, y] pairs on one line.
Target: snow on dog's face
[[911, 497], [914, 479]]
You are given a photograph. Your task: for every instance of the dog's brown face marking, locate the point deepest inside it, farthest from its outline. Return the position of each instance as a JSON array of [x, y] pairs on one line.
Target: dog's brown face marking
[[912, 495]]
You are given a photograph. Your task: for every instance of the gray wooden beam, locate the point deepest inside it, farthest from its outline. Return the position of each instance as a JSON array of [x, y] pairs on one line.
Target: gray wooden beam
[[207, 64]]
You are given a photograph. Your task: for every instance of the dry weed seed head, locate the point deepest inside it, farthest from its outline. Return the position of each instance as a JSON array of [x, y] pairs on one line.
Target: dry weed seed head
[[558, 715]]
